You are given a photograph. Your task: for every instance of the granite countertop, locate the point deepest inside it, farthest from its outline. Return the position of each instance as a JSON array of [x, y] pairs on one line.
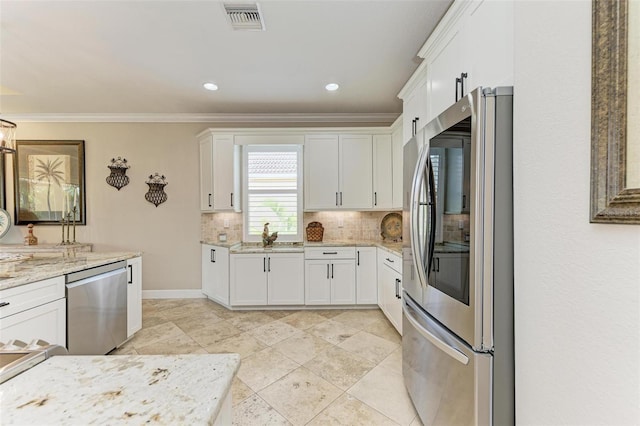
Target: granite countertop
[[20, 268], [237, 247], [120, 389], [451, 247]]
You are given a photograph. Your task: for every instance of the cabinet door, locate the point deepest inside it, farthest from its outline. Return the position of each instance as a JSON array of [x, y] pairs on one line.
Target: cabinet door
[[47, 322], [215, 273], [248, 279], [206, 173], [397, 147], [414, 110], [356, 172], [223, 173], [382, 172], [366, 276], [343, 282], [134, 295], [208, 270], [488, 23], [321, 169], [317, 277], [444, 65], [285, 279], [391, 305]]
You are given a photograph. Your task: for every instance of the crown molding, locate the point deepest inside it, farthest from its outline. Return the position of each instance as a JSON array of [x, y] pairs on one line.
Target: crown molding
[[375, 118]]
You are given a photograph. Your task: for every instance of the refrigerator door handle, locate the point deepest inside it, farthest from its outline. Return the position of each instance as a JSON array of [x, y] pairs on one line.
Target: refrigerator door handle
[[444, 347], [418, 178]]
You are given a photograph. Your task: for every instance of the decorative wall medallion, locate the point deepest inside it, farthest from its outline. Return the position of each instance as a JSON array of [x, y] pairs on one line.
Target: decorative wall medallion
[[118, 177], [156, 194]]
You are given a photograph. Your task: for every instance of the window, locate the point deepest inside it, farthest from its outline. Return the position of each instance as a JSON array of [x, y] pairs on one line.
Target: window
[[273, 191]]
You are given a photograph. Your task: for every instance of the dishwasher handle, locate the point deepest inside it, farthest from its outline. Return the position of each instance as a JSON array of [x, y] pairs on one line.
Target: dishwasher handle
[[81, 275]]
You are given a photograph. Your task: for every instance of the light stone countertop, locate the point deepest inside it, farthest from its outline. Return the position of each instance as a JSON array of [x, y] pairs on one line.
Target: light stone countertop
[[237, 247], [120, 389], [24, 269]]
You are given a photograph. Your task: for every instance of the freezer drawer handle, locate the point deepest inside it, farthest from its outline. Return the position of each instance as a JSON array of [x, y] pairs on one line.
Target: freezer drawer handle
[[452, 352]]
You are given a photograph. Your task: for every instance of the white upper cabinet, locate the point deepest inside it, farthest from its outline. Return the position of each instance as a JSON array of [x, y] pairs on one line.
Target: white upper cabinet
[[414, 108], [445, 74], [356, 172], [219, 173], [472, 46], [321, 168], [488, 32], [338, 172], [397, 147], [382, 172]]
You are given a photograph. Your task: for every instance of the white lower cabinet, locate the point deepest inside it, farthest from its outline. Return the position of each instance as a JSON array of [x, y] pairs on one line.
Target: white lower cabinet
[[267, 279], [331, 279], [134, 295], [215, 273], [35, 311], [390, 287], [366, 276]]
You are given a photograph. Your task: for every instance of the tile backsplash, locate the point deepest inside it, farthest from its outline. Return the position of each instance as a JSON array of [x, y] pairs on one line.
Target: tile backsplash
[[451, 227], [355, 225]]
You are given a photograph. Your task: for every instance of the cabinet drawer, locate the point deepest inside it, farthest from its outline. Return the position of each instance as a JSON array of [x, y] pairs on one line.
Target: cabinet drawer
[[330, 253], [393, 261], [27, 296]]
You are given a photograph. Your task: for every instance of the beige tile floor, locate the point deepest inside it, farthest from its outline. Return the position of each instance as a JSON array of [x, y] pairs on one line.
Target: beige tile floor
[[312, 367]]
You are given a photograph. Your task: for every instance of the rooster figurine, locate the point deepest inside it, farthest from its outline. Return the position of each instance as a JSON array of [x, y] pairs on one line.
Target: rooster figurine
[[267, 240]]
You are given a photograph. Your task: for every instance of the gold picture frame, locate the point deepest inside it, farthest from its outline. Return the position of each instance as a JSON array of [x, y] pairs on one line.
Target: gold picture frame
[[612, 201], [49, 179]]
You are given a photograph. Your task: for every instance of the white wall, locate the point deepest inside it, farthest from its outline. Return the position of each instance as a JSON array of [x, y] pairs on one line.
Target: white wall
[[577, 302], [168, 235]]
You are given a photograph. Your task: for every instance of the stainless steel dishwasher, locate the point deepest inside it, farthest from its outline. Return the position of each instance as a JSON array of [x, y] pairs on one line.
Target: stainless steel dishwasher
[[97, 309]]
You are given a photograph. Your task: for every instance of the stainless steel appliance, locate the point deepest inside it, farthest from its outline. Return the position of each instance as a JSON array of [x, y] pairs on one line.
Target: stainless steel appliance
[[97, 309], [458, 356]]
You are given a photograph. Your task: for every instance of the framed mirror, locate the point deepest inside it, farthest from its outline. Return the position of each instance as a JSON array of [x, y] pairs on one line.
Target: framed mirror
[[615, 117], [49, 182]]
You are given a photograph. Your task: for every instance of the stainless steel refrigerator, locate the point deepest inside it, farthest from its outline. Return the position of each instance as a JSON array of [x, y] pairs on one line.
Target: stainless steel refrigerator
[[458, 356]]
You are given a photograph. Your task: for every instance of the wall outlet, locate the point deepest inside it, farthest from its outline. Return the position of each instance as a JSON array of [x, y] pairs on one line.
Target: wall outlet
[[340, 222], [461, 224], [226, 223]]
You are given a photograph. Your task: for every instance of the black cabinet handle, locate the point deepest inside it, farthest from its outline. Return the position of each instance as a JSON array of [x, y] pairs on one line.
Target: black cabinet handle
[[340, 197], [329, 252], [462, 78], [213, 256], [458, 81], [232, 199], [389, 260], [464, 201], [416, 125], [269, 264], [209, 200], [396, 288], [358, 254], [264, 264], [332, 271], [336, 198], [375, 198], [398, 281], [327, 271], [3, 304], [130, 275]]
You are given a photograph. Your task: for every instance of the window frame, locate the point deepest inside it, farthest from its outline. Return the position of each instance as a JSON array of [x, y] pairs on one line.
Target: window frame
[[298, 148]]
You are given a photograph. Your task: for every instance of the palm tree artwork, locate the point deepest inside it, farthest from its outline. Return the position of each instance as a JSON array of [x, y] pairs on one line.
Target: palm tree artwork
[[52, 172]]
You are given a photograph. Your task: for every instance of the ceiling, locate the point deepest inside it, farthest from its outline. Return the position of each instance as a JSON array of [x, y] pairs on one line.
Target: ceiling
[[152, 57]]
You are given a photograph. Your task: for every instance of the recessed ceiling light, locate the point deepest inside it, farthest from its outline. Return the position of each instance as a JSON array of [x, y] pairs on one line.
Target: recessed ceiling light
[[332, 87], [210, 86]]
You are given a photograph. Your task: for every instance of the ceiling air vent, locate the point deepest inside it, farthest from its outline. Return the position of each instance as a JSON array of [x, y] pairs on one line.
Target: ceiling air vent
[[244, 16]]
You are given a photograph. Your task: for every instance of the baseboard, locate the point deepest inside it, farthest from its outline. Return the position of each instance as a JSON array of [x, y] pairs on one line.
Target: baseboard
[[172, 294]]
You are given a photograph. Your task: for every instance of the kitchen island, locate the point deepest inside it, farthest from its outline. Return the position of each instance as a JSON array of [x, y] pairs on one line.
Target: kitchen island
[[136, 389]]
